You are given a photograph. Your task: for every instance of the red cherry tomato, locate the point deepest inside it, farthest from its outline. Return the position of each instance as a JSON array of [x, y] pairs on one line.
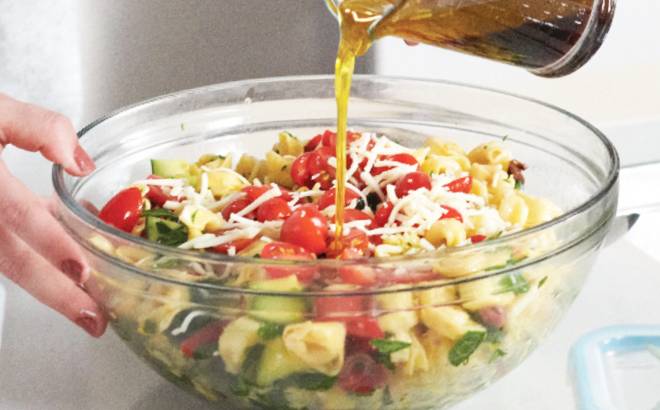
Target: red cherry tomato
[[329, 197], [306, 227], [411, 182], [123, 210], [253, 192], [237, 244], [357, 275], [300, 170], [329, 138], [451, 213], [477, 238], [288, 251], [156, 195], [313, 143], [237, 206], [383, 213], [340, 308], [364, 327], [403, 158], [204, 336], [357, 215], [355, 240], [273, 210], [408, 277], [460, 185], [362, 374], [319, 168]]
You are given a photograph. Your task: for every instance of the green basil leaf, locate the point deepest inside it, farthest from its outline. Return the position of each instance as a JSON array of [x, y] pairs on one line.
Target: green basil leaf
[[514, 282], [519, 185], [542, 282], [315, 381], [268, 331], [387, 346], [160, 213], [462, 350], [496, 355], [171, 237]]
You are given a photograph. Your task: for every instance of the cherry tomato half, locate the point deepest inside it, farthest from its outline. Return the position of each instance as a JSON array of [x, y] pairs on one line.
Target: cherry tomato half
[[237, 244], [362, 374], [460, 185], [402, 158], [237, 206], [357, 275], [288, 251], [300, 170], [253, 192], [383, 213], [207, 335], [319, 168], [477, 238], [123, 210], [329, 138], [411, 182], [355, 240], [341, 308], [156, 195], [273, 210], [313, 143], [364, 327], [357, 215], [451, 213], [306, 227], [329, 197]]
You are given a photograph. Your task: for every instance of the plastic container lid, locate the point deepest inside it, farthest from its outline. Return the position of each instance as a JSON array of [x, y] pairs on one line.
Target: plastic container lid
[[618, 368]]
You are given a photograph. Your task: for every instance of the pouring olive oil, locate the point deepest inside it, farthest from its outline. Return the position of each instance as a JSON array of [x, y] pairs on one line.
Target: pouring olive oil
[[548, 37]]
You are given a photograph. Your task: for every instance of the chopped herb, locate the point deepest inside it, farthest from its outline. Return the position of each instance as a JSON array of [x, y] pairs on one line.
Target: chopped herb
[[183, 126], [505, 137], [222, 157], [268, 331], [359, 205], [519, 185], [167, 262], [150, 326], [276, 150], [241, 387], [283, 168], [495, 235], [496, 355], [314, 381], [387, 396], [514, 282], [386, 346], [494, 336], [373, 200], [159, 213], [462, 350], [169, 236], [542, 282], [205, 352]]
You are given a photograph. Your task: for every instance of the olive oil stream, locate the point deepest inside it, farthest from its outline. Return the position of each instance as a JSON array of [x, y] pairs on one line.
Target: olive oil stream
[[532, 34]]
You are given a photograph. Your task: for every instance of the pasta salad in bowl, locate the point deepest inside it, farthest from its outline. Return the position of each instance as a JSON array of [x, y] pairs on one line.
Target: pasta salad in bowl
[[210, 225]]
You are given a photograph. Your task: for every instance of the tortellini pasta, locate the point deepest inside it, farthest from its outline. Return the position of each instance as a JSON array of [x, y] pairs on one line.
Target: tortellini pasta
[[320, 345], [289, 144], [237, 338], [490, 153], [450, 232]]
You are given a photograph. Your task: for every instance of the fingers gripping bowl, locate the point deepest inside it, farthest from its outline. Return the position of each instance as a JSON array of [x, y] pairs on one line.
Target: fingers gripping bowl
[[195, 318]]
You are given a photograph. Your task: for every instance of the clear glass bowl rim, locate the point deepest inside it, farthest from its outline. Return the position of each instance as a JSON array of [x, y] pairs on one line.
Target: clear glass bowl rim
[[85, 216]]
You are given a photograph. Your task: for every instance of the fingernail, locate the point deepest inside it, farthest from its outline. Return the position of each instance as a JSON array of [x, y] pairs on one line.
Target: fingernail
[[88, 321], [83, 160], [74, 270]]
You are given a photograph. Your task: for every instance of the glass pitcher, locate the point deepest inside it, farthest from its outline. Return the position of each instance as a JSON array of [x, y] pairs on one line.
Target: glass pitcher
[[550, 38]]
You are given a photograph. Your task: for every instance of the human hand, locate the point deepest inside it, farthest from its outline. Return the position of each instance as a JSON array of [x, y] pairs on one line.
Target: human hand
[[35, 251]]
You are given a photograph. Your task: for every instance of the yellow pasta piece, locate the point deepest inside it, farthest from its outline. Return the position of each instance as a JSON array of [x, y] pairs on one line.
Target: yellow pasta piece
[[249, 167], [540, 210], [438, 296], [514, 209], [215, 161], [289, 144], [224, 181], [450, 321], [400, 311], [320, 345], [484, 172], [480, 188], [277, 168], [483, 293], [441, 147], [450, 232], [440, 164], [490, 153], [237, 338], [418, 360]]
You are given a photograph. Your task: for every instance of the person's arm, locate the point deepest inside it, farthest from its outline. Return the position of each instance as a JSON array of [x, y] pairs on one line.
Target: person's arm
[[35, 251]]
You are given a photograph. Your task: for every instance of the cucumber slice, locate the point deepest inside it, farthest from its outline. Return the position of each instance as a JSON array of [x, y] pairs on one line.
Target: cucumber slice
[[170, 168], [278, 309]]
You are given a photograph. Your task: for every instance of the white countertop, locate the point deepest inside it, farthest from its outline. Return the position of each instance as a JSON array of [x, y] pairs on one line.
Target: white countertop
[[46, 363]]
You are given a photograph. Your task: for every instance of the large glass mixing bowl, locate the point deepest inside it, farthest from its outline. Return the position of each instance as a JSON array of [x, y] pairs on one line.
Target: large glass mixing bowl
[[487, 307]]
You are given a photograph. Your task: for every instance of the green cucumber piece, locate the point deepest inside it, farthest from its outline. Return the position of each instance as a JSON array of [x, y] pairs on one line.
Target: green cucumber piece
[[278, 309], [170, 168]]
